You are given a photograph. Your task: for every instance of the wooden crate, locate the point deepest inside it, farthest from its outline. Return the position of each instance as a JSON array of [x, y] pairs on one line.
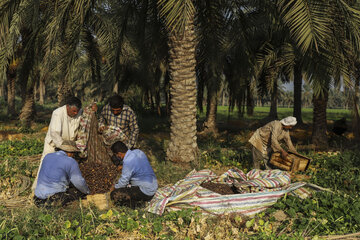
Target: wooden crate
[[294, 162]]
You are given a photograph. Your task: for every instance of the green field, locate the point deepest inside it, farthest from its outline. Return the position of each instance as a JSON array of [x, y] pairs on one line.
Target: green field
[[262, 112], [325, 213]]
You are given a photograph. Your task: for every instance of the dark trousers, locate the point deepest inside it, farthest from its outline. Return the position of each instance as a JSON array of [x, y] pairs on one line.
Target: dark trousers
[[258, 158], [129, 196], [59, 199]]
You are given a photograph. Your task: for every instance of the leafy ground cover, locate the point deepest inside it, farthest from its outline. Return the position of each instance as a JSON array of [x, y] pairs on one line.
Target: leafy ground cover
[[326, 213]]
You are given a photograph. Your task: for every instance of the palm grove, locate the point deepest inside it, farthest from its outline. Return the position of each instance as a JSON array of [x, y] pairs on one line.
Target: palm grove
[[180, 52]]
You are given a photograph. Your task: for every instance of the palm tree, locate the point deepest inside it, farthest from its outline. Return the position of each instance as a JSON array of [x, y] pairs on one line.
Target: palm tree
[[211, 55], [11, 76], [317, 27], [19, 40], [297, 91], [306, 98], [246, 23], [179, 19]]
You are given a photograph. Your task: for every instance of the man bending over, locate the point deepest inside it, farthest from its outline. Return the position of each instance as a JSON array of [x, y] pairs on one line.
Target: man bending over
[[58, 171], [137, 182]]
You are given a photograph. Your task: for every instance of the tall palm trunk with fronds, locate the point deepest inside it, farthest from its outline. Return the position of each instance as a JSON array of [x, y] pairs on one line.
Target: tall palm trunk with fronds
[[297, 92], [319, 137], [183, 141]]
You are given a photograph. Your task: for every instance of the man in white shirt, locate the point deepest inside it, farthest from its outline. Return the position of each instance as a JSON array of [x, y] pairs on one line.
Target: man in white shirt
[[63, 126]]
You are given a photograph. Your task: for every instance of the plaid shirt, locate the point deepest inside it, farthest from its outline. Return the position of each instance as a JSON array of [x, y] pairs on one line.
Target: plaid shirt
[[126, 121]]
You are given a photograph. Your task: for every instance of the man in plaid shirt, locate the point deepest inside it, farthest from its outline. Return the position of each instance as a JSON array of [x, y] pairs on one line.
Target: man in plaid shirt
[[117, 114]]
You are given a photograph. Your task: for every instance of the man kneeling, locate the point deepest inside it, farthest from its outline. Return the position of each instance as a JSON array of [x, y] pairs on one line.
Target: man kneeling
[[57, 172], [137, 182]]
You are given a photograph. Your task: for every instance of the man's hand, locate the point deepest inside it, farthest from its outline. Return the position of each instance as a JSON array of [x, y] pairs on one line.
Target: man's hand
[[284, 154], [103, 128], [94, 107], [112, 188]]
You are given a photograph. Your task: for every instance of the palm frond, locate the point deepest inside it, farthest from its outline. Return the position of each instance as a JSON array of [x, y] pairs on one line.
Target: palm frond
[[307, 20], [177, 14]]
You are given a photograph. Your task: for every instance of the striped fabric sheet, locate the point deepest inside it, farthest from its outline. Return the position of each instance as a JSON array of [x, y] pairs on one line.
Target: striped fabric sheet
[[83, 130], [269, 185]]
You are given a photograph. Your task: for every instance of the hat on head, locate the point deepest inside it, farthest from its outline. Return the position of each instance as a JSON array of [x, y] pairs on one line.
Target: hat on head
[[288, 121], [69, 146]]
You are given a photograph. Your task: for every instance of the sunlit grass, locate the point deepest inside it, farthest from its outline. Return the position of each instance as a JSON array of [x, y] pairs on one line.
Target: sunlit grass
[[223, 114]]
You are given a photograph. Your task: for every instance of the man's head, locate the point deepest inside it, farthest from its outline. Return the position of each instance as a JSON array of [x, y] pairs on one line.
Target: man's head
[[288, 122], [73, 106], [116, 103], [119, 149], [69, 147]]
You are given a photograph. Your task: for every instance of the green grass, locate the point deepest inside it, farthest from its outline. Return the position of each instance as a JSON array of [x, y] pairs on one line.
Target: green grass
[[262, 112], [322, 214]]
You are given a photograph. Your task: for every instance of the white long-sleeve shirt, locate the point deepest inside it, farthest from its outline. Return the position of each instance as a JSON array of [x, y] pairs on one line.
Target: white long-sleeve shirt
[[62, 127]]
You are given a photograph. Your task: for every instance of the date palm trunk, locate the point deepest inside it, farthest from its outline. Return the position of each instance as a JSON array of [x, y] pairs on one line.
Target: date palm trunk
[[3, 93], [41, 91], [11, 75], [274, 97], [64, 91], [183, 140], [249, 101], [27, 113], [297, 93], [356, 116], [36, 88], [319, 137], [211, 110], [157, 103]]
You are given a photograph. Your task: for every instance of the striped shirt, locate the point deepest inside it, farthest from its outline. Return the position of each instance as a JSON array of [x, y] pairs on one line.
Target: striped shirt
[[126, 121]]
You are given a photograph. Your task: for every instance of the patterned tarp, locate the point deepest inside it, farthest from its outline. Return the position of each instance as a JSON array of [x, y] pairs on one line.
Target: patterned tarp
[[258, 191]]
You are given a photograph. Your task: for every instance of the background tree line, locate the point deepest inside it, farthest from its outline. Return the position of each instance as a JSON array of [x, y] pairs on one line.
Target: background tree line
[[338, 98], [182, 53]]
